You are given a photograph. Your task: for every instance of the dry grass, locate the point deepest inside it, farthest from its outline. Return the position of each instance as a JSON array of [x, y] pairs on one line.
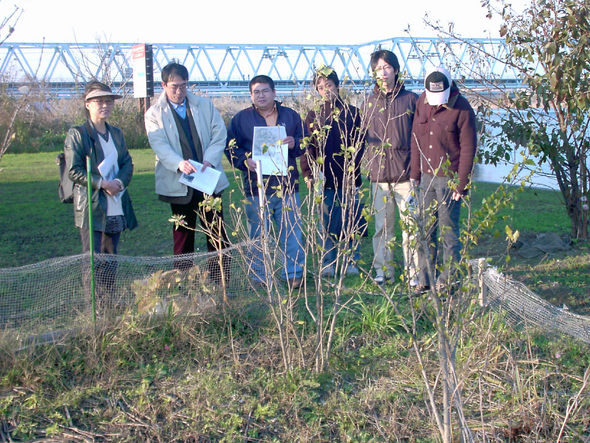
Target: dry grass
[[219, 377]]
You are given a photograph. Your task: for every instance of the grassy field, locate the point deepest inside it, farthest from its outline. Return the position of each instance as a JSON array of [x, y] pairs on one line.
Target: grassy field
[[35, 225], [219, 377]]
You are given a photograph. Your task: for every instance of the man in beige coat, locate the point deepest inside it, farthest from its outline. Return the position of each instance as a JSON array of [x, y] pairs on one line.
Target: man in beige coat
[[181, 127]]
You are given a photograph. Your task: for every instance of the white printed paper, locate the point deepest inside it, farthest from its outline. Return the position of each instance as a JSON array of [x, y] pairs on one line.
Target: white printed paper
[[204, 181], [267, 148], [109, 168]]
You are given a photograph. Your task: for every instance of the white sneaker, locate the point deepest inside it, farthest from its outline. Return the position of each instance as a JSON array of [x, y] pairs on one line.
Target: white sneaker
[[380, 279]]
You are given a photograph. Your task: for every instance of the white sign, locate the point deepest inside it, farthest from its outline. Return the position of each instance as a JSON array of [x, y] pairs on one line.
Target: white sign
[[139, 71]]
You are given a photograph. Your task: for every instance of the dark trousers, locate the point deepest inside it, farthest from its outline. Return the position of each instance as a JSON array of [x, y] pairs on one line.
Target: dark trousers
[[442, 214], [342, 220], [105, 270], [103, 243], [213, 226]]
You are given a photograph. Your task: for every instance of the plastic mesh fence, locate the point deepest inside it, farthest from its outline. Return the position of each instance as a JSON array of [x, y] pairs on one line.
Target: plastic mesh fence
[[38, 301], [523, 306], [43, 298]]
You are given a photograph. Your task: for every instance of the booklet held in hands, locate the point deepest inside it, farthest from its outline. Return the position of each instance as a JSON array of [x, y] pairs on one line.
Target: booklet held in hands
[[204, 181]]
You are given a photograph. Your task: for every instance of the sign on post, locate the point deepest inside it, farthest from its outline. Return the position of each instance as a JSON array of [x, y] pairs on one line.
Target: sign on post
[[143, 70]]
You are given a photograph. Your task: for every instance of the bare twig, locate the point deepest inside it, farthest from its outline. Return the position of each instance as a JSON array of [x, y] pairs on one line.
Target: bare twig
[[573, 403]]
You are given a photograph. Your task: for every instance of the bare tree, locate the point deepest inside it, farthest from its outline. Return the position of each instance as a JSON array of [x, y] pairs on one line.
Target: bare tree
[[9, 22], [7, 26]]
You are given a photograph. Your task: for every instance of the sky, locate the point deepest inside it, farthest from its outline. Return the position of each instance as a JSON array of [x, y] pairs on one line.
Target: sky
[[239, 21]]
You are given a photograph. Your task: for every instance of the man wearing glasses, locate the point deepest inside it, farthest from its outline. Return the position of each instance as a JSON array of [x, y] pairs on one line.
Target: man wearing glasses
[[281, 192], [182, 126], [388, 115]]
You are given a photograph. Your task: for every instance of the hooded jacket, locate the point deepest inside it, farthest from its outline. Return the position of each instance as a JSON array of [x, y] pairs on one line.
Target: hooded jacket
[[388, 120], [444, 132]]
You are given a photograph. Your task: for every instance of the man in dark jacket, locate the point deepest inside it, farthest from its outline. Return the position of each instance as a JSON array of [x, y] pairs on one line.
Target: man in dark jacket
[[444, 141], [388, 115], [281, 192], [336, 138]]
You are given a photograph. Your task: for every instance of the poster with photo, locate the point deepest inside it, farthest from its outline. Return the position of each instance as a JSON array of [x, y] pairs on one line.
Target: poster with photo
[[267, 147]]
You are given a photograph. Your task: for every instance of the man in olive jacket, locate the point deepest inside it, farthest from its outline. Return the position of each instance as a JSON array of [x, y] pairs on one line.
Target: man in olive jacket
[[388, 115], [444, 141]]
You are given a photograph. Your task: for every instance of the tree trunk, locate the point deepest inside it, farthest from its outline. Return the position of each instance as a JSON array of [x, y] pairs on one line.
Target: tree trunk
[[567, 179]]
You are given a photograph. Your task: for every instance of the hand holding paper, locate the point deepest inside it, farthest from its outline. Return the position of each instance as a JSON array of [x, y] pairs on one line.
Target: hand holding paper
[[204, 178], [289, 141]]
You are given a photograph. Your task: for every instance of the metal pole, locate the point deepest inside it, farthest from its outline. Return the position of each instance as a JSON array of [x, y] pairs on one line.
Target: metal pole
[[91, 238], [260, 197], [263, 227]]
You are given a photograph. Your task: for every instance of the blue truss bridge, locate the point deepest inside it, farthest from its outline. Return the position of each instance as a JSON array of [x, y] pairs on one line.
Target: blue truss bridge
[[61, 69]]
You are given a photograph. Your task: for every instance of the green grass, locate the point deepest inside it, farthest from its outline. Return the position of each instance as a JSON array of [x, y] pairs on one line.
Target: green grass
[[219, 377], [534, 210], [35, 225]]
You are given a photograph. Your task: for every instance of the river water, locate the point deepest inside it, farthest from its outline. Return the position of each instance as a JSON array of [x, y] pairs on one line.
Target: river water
[[543, 176]]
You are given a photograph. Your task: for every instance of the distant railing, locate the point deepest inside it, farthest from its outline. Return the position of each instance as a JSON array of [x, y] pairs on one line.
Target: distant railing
[[63, 68]]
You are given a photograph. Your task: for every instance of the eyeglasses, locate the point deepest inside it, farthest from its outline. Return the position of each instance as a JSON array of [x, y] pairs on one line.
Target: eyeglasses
[[258, 92], [177, 87], [102, 101]]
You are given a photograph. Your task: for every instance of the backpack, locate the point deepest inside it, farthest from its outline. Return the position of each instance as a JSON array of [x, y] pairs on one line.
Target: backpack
[[65, 187]]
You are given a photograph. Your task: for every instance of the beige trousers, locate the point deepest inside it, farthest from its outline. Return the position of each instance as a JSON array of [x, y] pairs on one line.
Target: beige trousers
[[386, 196]]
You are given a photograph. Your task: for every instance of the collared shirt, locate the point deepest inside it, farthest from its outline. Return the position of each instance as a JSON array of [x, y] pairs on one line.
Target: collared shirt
[[180, 109]]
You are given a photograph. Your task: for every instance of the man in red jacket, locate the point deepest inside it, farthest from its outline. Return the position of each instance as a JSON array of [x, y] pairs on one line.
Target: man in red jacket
[[444, 141]]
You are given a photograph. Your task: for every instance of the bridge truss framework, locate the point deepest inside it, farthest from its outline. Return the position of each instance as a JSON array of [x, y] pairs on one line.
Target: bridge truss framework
[[217, 69]]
